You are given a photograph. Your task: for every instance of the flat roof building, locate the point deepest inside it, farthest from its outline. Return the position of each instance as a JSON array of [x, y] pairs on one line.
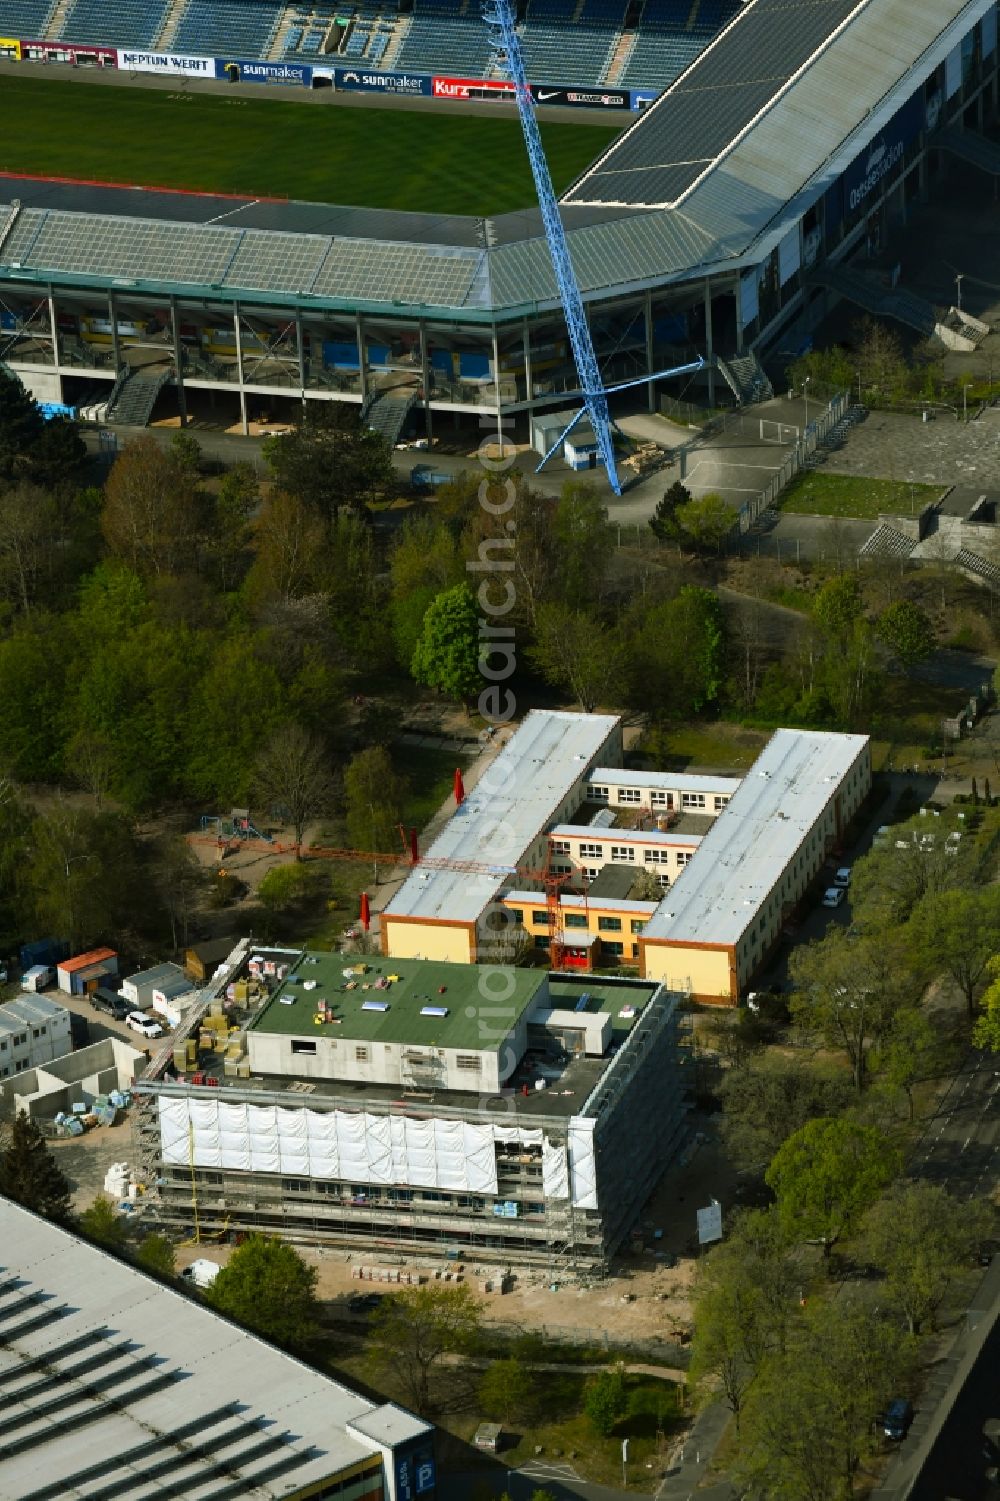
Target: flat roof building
[[724, 912], [33, 1031], [148, 1392], [537, 779], [404, 1107]]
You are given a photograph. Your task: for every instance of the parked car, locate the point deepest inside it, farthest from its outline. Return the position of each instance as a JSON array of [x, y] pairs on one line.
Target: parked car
[[843, 877], [145, 1025], [833, 896], [897, 1419], [986, 1252], [110, 1002]]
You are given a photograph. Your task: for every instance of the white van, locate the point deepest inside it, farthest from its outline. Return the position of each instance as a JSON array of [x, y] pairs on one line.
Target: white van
[[201, 1272]]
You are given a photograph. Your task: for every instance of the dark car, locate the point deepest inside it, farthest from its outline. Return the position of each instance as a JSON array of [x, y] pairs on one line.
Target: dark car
[[110, 1003], [987, 1250], [897, 1419]]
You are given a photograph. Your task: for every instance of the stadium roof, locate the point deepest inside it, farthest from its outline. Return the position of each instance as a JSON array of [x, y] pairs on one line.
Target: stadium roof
[[713, 175], [719, 893], [114, 1384], [516, 797]]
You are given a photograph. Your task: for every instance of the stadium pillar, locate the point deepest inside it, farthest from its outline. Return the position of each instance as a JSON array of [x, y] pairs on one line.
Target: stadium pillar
[[113, 320], [651, 388], [496, 387], [239, 368], [709, 349], [425, 380], [178, 362], [359, 334], [54, 330], [300, 349]]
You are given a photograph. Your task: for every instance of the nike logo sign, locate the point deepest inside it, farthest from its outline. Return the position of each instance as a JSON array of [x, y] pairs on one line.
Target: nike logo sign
[[551, 94]]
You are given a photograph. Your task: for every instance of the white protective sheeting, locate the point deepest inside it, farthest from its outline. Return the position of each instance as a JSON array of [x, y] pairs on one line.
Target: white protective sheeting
[[555, 1170], [355, 1146], [582, 1163]]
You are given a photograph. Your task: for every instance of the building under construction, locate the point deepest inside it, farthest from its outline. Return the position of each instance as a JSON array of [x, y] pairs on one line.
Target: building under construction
[[410, 1107]]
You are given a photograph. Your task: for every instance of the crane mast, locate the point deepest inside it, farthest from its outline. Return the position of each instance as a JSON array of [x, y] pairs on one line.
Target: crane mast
[[500, 21]]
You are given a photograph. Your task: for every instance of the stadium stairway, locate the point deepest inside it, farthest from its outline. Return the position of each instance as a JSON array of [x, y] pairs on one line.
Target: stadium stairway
[[624, 48], [386, 412], [133, 399], [867, 291], [172, 20], [745, 377]]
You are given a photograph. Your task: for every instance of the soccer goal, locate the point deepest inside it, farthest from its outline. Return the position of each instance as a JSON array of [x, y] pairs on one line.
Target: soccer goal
[[778, 432]]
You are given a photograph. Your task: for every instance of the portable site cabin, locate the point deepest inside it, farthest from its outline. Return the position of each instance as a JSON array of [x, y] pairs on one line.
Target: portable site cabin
[[166, 980], [85, 972], [201, 960]]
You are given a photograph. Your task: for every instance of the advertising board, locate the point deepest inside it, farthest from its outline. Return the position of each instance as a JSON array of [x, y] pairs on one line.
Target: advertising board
[[10, 47], [250, 70], [167, 63], [69, 52], [355, 80], [577, 98]]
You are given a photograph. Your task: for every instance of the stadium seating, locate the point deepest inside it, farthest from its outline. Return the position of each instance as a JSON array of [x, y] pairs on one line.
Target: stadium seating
[[24, 18], [666, 45], [126, 23], [439, 40], [557, 49], [238, 28]]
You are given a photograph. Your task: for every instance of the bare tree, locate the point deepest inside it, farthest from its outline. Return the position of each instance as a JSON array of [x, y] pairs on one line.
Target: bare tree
[[293, 774], [179, 880], [150, 515], [91, 759], [27, 526]]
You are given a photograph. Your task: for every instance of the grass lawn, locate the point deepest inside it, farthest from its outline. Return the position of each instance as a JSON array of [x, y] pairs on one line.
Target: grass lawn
[[717, 749], [430, 778], [856, 496], [431, 161]]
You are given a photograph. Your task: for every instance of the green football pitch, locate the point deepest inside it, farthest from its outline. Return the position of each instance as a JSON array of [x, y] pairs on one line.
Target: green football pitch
[[428, 160]]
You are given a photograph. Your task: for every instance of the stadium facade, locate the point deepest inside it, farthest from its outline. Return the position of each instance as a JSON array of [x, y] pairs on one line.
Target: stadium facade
[[799, 140]]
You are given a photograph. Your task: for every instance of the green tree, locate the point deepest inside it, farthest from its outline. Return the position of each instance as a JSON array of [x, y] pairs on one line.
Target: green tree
[[82, 877], [605, 1400], [907, 631], [957, 933], [986, 1032], [373, 794], [582, 538], [331, 461], [179, 879], [913, 1050], [285, 890], [414, 1331], [102, 1223], [27, 542], [151, 509], [58, 456], [575, 652], [293, 775], [923, 1240], [808, 1418], [664, 519], [156, 1254], [34, 664], [236, 704], [21, 425], [28, 1173], [764, 1103], [236, 500], [731, 1338], [505, 1390], [838, 607], [889, 882], [290, 541], [677, 653], [827, 1174], [447, 655], [707, 521], [849, 990], [267, 1287]]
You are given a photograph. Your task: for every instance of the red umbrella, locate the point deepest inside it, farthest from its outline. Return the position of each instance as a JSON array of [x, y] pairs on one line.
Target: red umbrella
[[459, 787], [366, 911]]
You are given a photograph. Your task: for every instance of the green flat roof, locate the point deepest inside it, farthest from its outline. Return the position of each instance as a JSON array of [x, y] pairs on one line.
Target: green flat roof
[[565, 993], [477, 1020]]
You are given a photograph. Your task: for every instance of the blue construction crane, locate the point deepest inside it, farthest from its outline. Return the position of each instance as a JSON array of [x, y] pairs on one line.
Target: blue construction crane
[[502, 27]]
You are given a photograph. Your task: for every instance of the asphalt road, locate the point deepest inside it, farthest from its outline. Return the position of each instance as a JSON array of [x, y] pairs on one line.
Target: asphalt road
[[957, 1465], [961, 1147]]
